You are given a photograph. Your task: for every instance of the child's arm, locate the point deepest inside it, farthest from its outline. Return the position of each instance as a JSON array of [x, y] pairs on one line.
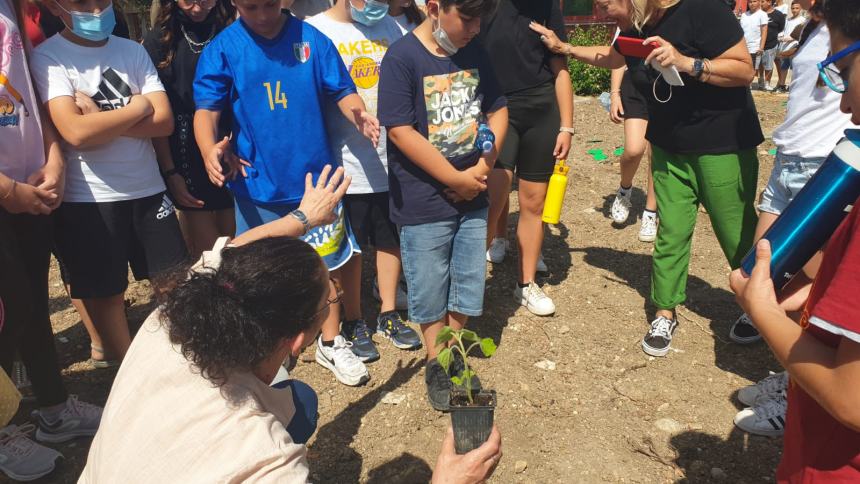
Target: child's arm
[[828, 374], [174, 181], [216, 151], [616, 108], [160, 123], [498, 123], [354, 110], [564, 98], [97, 128], [421, 152], [51, 177]]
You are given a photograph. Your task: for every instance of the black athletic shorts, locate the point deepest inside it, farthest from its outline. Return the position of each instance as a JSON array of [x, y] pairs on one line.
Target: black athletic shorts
[[97, 241], [370, 222], [634, 105], [533, 123]]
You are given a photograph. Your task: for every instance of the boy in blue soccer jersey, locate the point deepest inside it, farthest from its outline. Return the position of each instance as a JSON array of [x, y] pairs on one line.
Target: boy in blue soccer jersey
[[276, 73]]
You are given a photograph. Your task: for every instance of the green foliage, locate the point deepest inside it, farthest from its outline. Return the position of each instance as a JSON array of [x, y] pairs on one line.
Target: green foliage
[[589, 80], [462, 338]]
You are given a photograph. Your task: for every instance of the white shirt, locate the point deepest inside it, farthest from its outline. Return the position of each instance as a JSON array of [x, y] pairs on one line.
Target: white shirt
[[790, 25], [361, 48], [751, 23], [22, 151], [405, 25], [783, 8], [122, 169], [813, 124]]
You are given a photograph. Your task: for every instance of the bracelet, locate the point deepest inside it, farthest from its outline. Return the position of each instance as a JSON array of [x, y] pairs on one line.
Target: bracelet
[[571, 131], [706, 72], [169, 173], [9, 193]]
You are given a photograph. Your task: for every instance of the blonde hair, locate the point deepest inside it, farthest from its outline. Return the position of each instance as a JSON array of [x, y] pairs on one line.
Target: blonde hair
[[644, 10]]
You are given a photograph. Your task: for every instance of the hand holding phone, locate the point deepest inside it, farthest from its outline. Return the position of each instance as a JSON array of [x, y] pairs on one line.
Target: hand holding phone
[[633, 47]]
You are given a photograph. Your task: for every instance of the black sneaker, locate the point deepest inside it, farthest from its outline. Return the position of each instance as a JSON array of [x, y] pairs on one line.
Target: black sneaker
[[457, 367], [356, 332], [743, 332], [391, 326], [659, 338], [438, 385]]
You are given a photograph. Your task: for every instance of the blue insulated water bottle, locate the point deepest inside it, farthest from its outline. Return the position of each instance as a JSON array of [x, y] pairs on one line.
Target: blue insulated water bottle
[[485, 139], [811, 218]]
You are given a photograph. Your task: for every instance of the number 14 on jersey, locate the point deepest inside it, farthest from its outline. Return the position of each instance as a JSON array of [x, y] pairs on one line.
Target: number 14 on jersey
[[278, 97]]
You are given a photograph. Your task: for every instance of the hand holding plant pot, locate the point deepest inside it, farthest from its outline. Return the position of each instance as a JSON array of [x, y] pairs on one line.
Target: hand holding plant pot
[[471, 408], [475, 467]]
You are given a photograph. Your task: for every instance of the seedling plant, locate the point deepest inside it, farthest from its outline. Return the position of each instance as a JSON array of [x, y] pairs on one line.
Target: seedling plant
[[464, 342]]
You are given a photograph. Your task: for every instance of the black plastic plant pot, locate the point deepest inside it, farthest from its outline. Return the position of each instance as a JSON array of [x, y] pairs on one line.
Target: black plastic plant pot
[[472, 422]]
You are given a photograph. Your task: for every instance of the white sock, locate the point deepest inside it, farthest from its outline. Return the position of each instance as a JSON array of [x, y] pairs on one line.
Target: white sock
[[625, 191], [649, 214]]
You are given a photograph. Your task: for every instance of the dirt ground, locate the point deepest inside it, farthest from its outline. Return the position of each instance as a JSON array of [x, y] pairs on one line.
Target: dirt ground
[[607, 412]]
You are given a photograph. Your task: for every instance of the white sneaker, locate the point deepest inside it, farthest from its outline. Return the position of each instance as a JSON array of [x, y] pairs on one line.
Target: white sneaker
[[340, 359], [76, 419], [498, 249], [620, 211], [648, 228], [534, 299], [22, 459], [541, 265], [770, 387], [767, 418]]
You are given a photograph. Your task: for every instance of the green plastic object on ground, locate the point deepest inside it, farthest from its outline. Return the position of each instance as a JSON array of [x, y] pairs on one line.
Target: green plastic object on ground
[[618, 151], [597, 154]]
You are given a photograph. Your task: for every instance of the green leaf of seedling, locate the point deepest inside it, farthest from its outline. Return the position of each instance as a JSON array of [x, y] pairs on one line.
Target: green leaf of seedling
[[444, 358], [444, 336], [457, 381], [488, 347], [469, 336], [467, 375]]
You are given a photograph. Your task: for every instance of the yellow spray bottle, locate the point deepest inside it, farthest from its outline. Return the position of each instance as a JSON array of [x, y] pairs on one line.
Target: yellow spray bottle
[[555, 193]]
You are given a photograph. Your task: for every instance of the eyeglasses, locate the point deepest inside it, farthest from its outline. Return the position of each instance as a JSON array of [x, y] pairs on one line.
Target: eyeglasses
[[830, 74], [199, 3], [338, 295]]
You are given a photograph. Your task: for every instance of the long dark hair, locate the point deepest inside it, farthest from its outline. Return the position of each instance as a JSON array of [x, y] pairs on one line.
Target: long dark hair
[[232, 318], [413, 14], [168, 23], [844, 17]]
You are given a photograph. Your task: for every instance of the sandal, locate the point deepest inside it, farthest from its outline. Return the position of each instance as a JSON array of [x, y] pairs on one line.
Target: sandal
[[104, 363]]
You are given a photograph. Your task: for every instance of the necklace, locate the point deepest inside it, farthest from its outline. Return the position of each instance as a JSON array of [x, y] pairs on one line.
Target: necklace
[[198, 45]]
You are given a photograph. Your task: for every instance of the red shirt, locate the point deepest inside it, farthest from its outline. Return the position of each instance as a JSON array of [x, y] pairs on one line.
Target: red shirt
[[817, 447]]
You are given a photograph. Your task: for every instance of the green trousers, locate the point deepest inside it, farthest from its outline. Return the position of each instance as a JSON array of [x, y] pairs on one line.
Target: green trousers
[[726, 185]]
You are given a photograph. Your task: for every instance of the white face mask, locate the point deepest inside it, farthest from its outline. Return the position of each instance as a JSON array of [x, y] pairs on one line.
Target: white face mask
[[441, 38]]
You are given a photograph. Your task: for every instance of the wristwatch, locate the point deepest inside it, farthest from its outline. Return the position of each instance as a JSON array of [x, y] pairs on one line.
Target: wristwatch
[[301, 217], [698, 68], [571, 131]]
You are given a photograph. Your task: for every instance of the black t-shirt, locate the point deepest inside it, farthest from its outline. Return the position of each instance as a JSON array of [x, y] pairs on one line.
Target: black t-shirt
[[699, 117], [442, 98], [518, 56], [775, 24]]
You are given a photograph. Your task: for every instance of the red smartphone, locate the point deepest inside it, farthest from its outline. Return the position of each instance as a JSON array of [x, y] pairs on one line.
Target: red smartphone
[[633, 47]]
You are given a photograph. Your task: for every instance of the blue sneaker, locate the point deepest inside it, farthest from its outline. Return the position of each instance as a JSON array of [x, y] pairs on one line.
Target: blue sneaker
[[391, 326], [356, 332]]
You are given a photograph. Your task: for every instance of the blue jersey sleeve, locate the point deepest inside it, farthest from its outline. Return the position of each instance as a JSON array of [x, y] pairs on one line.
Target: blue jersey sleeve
[[396, 93], [336, 81], [213, 80]]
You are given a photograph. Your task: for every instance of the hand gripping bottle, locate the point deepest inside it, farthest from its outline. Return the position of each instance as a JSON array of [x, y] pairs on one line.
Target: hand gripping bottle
[[485, 139], [555, 193], [811, 218]]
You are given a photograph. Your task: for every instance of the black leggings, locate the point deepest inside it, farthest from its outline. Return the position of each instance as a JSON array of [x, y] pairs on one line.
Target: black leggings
[[533, 123], [25, 256]]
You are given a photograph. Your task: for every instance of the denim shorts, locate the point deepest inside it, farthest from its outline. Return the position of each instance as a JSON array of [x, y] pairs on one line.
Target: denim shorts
[[768, 57], [790, 173], [445, 266]]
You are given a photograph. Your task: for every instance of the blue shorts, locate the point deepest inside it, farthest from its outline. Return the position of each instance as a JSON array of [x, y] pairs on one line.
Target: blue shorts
[[790, 174], [335, 242], [445, 266]]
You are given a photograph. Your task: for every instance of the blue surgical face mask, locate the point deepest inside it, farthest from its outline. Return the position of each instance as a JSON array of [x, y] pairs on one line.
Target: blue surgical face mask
[[443, 40], [94, 27], [372, 13]]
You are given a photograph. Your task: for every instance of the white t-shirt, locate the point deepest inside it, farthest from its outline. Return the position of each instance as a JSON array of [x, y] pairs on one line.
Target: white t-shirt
[[751, 22], [165, 423], [21, 149], [405, 25], [361, 48], [122, 169], [813, 124], [790, 25], [783, 8]]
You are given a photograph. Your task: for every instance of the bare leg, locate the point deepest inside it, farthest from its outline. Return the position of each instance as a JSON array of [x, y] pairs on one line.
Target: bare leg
[[350, 281], [767, 77], [651, 198], [95, 339], [429, 331], [388, 275], [331, 325], [666, 313], [109, 322], [502, 223], [634, 148], [202, 228], [499, 187], [530, 227]]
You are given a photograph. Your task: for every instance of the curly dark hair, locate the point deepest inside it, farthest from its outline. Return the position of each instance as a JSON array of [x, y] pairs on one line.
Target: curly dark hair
[[168, 24], [231, 319], [844, 16]]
